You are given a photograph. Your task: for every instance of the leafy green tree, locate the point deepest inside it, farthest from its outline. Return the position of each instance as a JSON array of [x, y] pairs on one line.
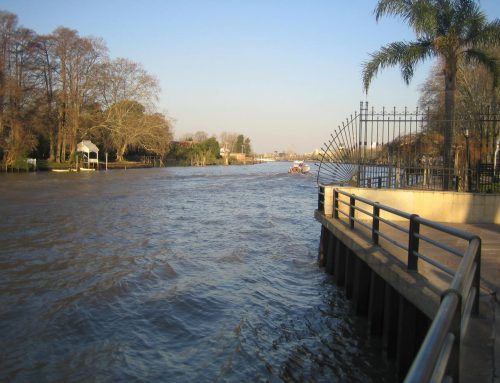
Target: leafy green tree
[[212, 146], [204, 153], [452, 30], [240, 143], [248, 146]]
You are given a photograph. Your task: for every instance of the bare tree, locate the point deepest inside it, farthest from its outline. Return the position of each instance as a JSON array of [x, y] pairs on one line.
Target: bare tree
[[200, 136], [128, 93], [17, 90], [228, 141], [77, 62]]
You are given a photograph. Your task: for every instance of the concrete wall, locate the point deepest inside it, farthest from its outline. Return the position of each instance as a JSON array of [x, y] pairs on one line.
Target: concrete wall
[[434, 205]]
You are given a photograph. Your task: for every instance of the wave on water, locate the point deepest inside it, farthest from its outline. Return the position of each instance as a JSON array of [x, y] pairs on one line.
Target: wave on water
[[172, 274]]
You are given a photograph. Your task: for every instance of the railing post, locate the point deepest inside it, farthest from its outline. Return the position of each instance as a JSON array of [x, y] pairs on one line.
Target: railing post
[[328, 201], [321, 199], [336, 204], [375, 223], [352, 210], [413, 242], [477, 280]]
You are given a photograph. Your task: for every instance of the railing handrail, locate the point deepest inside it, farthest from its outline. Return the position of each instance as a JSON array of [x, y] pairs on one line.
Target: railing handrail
[[457, 302], [432, 224]]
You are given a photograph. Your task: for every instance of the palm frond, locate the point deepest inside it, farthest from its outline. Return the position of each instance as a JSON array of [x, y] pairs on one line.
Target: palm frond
[[401, 8], [418, 14], [489, 61], [402, 54], [467, 15], [485, 35]]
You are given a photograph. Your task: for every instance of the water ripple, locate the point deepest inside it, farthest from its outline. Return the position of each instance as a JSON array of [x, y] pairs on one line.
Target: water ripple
[[177, 274]]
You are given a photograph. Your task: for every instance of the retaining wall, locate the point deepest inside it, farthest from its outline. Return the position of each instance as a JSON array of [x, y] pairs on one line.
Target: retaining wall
[[439, 206]]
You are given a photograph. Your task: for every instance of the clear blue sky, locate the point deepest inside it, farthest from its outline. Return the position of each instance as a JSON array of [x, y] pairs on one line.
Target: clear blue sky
[[284, 73]]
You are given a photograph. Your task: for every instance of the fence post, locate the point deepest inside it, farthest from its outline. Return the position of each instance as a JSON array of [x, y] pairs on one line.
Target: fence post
[[376, 223], [352, 210], [413, 242]]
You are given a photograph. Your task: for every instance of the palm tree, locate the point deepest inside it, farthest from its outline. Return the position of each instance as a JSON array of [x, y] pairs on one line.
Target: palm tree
[[452, 30]]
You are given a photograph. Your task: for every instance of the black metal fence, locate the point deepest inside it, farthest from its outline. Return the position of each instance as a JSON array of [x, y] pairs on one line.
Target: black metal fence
[[402, 149]]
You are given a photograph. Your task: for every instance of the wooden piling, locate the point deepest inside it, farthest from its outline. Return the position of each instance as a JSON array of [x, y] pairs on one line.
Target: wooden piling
[[361, 291], [407, 339], [376, 305], [349, 273], [340, 257], [391, 314], [321, 250], [330, 253]]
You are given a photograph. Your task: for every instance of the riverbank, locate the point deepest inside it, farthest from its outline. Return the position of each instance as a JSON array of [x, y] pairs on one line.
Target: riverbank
[[44, 165]]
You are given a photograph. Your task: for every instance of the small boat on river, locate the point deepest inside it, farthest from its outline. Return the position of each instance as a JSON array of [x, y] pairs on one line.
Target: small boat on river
[[299, 167]]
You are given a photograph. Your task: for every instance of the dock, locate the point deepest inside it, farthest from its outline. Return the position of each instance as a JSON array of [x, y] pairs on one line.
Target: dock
[[386, 265]]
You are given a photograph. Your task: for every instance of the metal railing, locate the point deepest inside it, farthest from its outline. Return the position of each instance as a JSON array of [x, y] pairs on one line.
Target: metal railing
[[440, 350], [402, 148]]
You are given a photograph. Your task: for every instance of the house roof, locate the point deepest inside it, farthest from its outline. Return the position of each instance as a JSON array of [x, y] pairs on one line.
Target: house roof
[[87, 147]]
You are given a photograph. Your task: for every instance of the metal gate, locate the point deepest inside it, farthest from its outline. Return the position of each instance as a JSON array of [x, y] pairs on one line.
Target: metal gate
[[391, 148]]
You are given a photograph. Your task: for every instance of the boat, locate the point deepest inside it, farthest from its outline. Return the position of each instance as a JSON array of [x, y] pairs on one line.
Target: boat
[[63, 170], [87, 169], [299, 167]]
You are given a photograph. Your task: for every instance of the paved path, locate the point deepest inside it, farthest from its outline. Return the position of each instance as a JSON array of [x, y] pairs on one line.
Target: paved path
[[482, 343]]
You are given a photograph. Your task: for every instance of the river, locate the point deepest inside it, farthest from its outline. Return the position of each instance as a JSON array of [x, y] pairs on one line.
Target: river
[[172, 274]]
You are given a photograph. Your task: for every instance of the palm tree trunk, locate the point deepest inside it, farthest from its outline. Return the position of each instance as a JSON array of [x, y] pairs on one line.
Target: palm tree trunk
[[450, 78]]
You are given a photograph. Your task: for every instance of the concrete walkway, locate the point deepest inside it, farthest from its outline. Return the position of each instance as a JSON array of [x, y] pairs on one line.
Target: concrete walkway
[[482, 342], [481, 346]]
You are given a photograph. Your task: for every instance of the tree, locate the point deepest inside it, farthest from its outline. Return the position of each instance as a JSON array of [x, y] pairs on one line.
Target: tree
[[127, 93], [240, 144], [46, 118], [77, 62], [475, 97], [123, 122], [228, 141], [248, 146], [17, 87], [452, 30], [204, 153], [155, 135], [200, 136], [60, 88]]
